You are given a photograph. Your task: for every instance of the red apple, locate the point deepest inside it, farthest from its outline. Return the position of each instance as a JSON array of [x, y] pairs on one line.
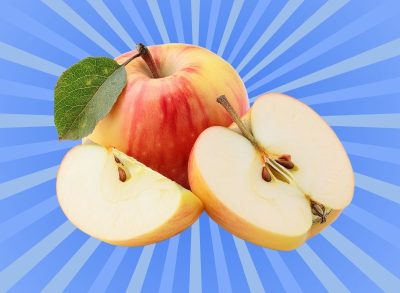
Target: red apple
[[157, 119]]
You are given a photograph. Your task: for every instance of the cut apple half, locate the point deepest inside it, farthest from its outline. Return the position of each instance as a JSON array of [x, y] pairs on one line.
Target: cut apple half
[[118, 200], [276, 178]]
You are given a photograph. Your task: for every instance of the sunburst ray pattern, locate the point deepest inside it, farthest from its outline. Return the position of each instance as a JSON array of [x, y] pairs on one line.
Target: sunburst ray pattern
[[340, 57]]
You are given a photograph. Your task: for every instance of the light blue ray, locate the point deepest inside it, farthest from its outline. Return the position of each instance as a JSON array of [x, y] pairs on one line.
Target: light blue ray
[[22, 183], [72, 267], [248, 28], [376, 225], [360, 25], [321, 270], [177, 18], [223, 279], [136, 283], [137, 20], [195, 259], [17, 223], [66, 12], [384, 154], [25, 91], [233, 15], [35, 28], [112, 22], [374, 271], [285, 276], [157, 16], [212, 23], [367, 120], [15, 271], [23, 120], [322, 14], [253, 280], [168, 274], [17, 152], [283, 15], [195, 21], [383, 52], [108, 271], [385, 87], [381, 188], [18, 56]]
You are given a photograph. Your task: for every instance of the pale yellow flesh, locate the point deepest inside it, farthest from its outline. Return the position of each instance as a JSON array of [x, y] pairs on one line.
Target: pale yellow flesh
[[225, 172], [146, 208]]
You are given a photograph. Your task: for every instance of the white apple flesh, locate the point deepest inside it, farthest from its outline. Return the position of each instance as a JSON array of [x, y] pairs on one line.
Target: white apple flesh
[[225, 171], [116, 199]]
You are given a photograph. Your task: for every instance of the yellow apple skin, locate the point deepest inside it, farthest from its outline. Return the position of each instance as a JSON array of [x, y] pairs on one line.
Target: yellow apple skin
[[157, 120], [234, 223], [189, 211]]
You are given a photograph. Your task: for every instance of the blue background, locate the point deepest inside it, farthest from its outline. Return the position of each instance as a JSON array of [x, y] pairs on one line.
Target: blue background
[[340, 57]]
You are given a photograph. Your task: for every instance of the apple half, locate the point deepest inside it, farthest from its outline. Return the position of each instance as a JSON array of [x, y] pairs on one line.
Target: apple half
[[118, 200], [277, 178]]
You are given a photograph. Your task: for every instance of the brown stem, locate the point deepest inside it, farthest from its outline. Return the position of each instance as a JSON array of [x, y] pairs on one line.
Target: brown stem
[[130, 59], [146, 55], [246, 133]]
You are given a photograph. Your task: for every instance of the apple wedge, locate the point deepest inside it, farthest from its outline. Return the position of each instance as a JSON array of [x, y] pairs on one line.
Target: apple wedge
[[277, 178], [118, 200]]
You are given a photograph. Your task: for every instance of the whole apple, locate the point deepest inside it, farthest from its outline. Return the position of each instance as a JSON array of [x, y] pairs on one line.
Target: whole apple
[[157, 119]]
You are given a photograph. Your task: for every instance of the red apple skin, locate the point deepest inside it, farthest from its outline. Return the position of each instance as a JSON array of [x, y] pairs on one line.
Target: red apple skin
[[157, 120]]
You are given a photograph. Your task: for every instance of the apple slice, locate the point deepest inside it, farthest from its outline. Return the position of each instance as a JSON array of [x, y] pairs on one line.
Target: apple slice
[[118, 200], [276, 179]]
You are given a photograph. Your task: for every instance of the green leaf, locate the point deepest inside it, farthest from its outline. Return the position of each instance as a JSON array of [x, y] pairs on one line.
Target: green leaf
[[85, 93]]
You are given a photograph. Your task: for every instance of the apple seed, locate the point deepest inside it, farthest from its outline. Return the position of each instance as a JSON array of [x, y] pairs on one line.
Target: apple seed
[[122, 174], [265, 174]]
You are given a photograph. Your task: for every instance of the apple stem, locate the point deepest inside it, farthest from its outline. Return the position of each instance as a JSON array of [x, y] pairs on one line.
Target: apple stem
[[146, 55], [235, 117]]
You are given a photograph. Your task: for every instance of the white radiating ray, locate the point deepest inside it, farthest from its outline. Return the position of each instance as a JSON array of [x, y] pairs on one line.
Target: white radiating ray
[[248, 28], [22, 183], [212, 23], [66, 12], [355, 28], [324, 274], [168, 274], [137, 280], [367, 120], [158, 19], [195, 21], [195, 259], [380, 88], [15, 271], [250, 271], [381, 53], [283, 15], [177, 18], [384, 154], [322, 14], [137, 20], [374, 271], [61, 280], [17, 152], [18, 56], [288, 281], [112, 22], [381, 188], [25, 120], [376, 225], [42, 32], [19, 222], [108, 270], [233, 15], [224, 282], [16, 89]]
